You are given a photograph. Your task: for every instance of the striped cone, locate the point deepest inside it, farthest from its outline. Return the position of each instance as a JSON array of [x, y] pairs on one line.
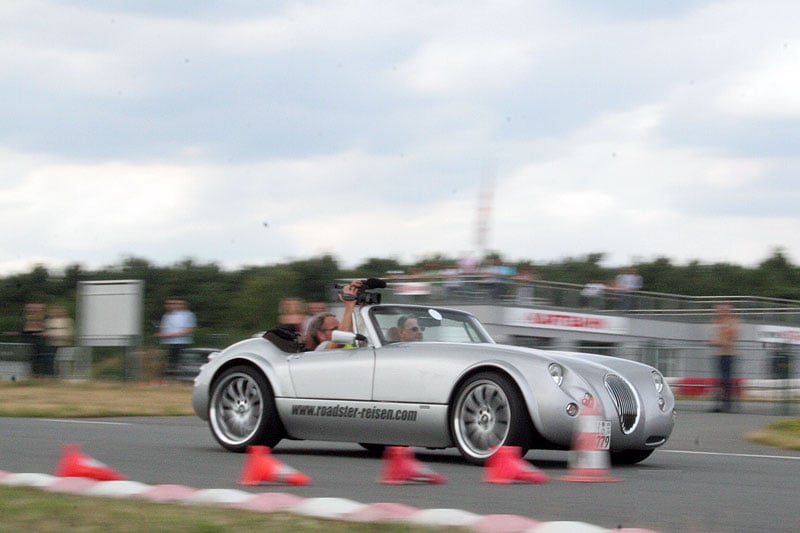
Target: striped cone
[[73, 463], [506, 465], [260, 466], [400, 466], [589, 459]]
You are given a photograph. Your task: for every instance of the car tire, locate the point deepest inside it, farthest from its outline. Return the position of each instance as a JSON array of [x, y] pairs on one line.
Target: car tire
[[488, 412], [629, 457], [242, 411]]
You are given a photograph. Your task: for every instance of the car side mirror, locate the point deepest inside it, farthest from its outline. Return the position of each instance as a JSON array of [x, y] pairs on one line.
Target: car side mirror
[[346, 337]]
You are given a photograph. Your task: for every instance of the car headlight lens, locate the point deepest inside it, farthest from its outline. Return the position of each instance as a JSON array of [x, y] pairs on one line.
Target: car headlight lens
[[658, 379], [556, 372]]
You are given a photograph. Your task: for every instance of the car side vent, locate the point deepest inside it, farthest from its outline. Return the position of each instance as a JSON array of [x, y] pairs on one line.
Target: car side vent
[[625, 401]]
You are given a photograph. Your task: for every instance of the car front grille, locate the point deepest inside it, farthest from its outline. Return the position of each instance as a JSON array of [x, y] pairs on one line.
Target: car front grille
[[625, 401]]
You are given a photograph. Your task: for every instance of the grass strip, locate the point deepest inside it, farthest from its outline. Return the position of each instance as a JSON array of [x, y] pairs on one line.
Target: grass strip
[[30, 509], [783, 434], [52, 398]]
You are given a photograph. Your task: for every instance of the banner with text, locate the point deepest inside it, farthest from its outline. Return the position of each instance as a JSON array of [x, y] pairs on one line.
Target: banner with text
[[781, 334], [536, 318]]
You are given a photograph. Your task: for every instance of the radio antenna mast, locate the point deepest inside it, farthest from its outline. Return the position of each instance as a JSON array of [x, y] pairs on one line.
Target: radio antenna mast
[[485, 204]]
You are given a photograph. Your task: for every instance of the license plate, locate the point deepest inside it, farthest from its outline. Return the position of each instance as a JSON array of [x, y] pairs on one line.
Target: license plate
[[604, 435]]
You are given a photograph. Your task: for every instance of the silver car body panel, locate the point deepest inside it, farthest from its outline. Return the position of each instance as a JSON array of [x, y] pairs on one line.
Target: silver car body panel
[[400, 393], [368, 422]]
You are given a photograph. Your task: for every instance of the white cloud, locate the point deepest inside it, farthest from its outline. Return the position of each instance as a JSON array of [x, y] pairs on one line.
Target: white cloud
[[446, 69], [769, 89], [251, 134]]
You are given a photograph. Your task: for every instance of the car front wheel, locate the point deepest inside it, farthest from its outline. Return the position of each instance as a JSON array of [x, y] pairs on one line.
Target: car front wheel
[[242, 410], [488, 412]]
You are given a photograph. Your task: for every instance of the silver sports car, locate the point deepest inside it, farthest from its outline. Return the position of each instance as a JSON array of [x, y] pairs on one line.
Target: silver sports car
[[453, 386]]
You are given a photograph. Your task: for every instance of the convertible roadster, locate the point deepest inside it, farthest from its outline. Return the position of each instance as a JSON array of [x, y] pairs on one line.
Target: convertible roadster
[[454, 387]]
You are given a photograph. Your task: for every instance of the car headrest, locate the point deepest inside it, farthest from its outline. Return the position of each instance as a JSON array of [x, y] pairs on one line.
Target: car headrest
[[392, 335]]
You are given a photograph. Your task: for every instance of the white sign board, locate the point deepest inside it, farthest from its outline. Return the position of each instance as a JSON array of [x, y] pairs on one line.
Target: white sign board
[[547, 319], [779, 334], [110, 312]]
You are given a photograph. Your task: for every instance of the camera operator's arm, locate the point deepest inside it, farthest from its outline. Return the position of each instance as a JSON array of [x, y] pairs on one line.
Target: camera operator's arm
[[348, 298]]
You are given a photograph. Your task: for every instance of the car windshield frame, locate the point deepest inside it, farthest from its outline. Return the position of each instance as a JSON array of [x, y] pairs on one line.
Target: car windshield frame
[[439, 325]]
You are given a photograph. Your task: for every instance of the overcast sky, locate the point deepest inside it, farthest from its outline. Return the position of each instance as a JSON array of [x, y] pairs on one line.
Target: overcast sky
[[253, 132]]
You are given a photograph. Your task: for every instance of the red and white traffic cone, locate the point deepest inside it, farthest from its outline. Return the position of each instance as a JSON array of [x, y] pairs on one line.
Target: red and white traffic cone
[[260, 466], [74, 463], [506, 465], [590, 459], [400, 466]]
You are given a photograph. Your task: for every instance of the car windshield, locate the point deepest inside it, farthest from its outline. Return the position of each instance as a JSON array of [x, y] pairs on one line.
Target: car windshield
[[432, 325]]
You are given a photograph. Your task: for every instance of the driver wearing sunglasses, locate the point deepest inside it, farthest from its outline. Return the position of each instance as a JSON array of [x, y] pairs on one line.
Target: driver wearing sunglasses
[[408, 329]]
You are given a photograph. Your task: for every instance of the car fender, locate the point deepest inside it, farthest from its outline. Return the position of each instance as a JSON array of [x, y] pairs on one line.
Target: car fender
[[257, 353], [555, 428]]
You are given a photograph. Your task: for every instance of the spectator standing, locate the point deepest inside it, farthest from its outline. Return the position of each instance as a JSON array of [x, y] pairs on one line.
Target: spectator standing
[[524, 279], [498, 277], [176, 332], [593, 294], [59, 328], [59, 331], [33, 328], [626, 283], [723, 338], [312, 310], [291, 314]]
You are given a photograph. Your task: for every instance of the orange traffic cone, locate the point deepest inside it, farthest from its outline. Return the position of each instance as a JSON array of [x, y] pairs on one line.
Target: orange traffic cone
[[506, 465], [589, 459], [400, 466], [73, 463], [260, 466]]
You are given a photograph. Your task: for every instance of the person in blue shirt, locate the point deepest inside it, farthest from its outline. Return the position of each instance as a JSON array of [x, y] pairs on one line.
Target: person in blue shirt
[[176, 332]]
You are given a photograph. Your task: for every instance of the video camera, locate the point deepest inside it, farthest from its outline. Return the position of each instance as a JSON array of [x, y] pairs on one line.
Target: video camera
[[364, 294]]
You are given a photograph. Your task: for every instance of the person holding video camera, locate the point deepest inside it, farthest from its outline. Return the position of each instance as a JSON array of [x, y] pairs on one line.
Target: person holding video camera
[[321, 328]]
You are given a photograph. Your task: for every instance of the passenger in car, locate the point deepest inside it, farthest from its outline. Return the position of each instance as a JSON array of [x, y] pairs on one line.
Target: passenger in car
[[320, 329], [408, 329]]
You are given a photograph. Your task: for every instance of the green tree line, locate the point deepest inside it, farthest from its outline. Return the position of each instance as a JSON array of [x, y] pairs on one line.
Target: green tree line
[[236, 303]]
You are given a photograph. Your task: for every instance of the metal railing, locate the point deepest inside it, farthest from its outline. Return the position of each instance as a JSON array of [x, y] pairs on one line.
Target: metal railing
[[761, 374], [560, 295]]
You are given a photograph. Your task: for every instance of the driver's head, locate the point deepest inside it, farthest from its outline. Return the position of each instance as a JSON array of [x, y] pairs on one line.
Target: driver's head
[[408, 329]]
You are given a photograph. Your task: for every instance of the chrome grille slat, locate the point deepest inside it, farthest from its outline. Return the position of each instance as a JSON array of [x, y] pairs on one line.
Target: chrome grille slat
[[625, 402]]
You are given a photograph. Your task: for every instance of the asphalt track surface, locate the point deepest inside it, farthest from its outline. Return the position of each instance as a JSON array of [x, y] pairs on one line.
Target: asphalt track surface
[[707, 478]]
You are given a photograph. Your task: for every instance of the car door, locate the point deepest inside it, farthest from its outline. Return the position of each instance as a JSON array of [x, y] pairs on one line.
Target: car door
[[342, 374]]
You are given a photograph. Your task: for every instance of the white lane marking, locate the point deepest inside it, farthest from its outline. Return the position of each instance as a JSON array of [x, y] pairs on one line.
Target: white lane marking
[[100, 422], [749, 455]]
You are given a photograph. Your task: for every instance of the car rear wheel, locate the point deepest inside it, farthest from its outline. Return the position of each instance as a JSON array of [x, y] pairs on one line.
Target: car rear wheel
[[242, 410], [488, 412]]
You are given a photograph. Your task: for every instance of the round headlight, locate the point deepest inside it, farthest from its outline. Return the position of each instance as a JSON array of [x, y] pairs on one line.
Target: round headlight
[[556, 372], [658, 379]]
